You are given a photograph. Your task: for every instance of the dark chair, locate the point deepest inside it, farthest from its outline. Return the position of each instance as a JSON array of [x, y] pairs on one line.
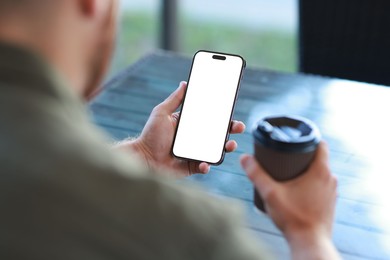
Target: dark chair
[[347, 39]]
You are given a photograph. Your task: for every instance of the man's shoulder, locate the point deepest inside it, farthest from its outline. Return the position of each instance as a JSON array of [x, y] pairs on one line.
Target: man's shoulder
[[114, 194]]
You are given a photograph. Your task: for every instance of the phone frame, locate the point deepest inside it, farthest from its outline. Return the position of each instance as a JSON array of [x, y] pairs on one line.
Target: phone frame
[[231, 112]]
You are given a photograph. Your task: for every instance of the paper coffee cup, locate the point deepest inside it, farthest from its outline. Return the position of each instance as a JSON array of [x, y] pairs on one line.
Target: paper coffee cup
[[285, 146]]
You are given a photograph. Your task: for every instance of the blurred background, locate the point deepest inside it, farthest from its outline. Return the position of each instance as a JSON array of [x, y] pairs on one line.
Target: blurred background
[[264, 32]]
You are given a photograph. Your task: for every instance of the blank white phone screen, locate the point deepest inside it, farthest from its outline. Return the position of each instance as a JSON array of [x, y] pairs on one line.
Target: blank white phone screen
[[207, 108]]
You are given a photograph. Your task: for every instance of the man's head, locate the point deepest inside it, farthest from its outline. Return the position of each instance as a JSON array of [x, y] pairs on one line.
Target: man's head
[[75, 36]]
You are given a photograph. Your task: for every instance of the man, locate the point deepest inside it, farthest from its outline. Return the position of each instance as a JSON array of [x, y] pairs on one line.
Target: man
[[65, 195]]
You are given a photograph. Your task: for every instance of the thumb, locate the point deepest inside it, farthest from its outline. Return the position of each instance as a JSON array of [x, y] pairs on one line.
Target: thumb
[[174, 101], [260, 178]]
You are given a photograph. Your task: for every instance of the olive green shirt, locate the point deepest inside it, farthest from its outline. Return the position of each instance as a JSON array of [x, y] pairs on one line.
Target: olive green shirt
[[65, 195]]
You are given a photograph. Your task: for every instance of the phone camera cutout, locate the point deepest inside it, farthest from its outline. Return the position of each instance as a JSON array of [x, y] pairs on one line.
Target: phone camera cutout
[[219, 57]]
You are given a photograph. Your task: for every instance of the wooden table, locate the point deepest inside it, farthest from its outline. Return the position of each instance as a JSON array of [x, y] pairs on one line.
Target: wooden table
[[353, 118]]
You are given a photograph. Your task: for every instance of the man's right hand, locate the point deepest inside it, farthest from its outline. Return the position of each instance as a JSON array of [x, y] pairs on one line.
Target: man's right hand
[[302, 208]]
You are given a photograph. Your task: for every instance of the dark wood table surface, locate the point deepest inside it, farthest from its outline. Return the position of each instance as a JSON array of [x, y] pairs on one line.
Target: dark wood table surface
[[353, 118]]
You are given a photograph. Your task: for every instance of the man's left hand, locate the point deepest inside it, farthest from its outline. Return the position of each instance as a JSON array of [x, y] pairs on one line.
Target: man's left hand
[[155, 141]]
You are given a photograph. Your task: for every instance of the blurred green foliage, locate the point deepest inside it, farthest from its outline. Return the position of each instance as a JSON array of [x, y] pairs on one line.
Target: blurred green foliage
[[264, 48], [139, 33]]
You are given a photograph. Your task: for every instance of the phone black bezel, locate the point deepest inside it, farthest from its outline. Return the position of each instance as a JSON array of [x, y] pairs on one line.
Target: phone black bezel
[[231, 113]]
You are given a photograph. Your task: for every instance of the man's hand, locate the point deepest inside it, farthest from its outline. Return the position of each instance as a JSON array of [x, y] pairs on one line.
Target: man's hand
[[156, 139], [302, 208]]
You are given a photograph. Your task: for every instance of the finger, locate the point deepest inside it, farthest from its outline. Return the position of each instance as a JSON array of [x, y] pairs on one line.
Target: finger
[[182, 166], [176, 116], [237, 127], [263, 182], [323, 152], [231, 146], [321, 159], [197, 167], [204, 168], [173, 102]]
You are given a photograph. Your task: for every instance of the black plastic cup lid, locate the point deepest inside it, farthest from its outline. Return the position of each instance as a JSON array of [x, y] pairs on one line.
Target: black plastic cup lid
[[288, 133]]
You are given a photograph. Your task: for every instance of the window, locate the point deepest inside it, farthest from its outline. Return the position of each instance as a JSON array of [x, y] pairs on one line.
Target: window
[[263, 31]]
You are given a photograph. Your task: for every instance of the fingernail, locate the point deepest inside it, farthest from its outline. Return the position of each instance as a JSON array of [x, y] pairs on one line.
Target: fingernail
[[182, 84]]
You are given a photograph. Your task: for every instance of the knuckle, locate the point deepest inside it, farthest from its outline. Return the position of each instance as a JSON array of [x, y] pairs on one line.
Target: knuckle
[[325, 170], [157, 108], [335, 181], [271, 196], [194, 168], [176, 116]]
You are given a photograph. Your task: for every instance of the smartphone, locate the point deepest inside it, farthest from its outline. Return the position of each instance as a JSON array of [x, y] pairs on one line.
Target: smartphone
[[206, 114]]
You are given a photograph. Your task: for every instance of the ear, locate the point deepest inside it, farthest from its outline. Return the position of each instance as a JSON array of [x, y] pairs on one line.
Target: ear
[[97, 8], [88, 7]]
